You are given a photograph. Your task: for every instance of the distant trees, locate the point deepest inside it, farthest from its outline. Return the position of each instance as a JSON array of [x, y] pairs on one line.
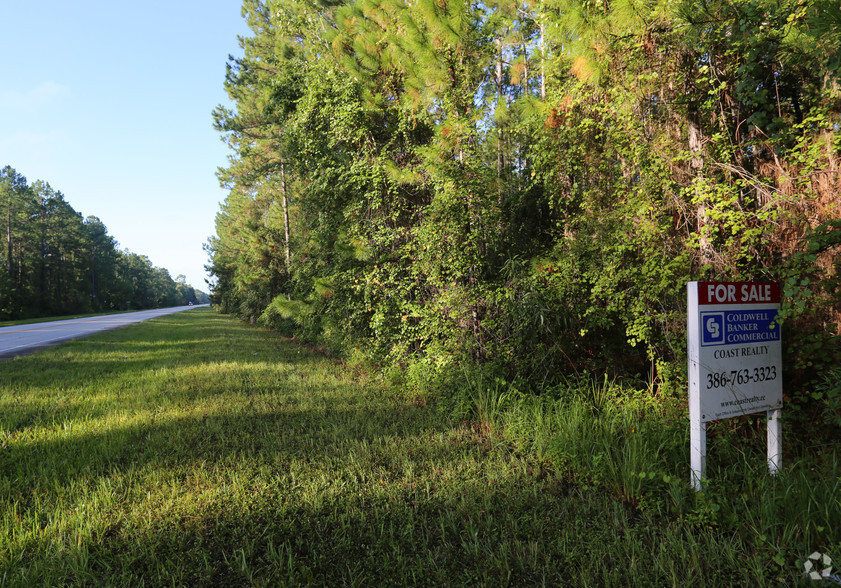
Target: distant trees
[[56, 262], [528, 186]]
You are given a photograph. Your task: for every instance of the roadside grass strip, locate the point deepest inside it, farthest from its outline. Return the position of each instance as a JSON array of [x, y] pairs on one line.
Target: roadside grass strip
[[47, 319], [195, 450]]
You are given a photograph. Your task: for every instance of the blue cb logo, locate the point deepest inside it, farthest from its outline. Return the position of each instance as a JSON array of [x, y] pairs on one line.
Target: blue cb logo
[[712, 328]]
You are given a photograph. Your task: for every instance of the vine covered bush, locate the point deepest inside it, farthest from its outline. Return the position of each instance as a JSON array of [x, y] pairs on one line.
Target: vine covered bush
[[528, 187]]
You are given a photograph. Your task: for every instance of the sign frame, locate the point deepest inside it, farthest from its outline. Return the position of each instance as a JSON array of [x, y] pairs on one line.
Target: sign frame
[[735, 362]]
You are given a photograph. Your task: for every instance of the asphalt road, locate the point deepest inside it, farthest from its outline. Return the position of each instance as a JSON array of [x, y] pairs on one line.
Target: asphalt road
[[23, 339]]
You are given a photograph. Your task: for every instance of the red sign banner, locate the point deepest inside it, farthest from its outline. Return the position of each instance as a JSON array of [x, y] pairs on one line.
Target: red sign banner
[[738, 293]]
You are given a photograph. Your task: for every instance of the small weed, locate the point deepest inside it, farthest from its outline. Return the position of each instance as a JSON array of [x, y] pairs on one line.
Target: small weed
[[488, 399]]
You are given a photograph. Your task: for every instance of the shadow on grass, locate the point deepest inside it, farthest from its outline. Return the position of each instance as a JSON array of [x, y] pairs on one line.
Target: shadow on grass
[[343, 496], [271, 437], [241, 479], [469, 522]]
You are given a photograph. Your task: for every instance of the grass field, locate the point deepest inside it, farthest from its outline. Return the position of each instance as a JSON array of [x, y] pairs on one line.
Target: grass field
[[195, 450]]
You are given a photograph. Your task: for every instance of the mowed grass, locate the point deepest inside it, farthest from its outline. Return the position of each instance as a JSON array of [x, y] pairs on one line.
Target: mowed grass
[[195, 450]]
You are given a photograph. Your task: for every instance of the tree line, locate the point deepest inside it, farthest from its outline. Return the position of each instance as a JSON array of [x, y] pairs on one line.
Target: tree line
[[56, 262], [528, 186]]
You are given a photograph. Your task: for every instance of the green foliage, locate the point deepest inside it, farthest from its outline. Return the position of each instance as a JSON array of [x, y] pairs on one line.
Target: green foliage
[[611, 436], [432, 186], [812, 295], [57, 262], [828, 393]]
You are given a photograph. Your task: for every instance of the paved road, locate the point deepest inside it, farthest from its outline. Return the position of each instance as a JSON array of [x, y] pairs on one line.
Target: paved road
[[23, 339]]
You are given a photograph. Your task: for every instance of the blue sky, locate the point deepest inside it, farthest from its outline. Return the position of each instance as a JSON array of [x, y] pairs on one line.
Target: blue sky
[[111, 102]]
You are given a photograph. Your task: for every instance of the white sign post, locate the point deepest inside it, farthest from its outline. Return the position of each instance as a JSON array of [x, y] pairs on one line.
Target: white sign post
[[735, 361]]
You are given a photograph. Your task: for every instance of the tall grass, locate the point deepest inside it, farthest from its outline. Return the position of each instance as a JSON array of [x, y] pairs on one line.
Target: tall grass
[[194, 450], [606, 437]]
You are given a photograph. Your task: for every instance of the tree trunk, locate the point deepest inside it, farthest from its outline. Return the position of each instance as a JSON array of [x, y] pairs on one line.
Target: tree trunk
[[93, 282], [499, 96], [542, 61], [696, 138], [9, 237], [525, 71], [42, 276], [285, 204]]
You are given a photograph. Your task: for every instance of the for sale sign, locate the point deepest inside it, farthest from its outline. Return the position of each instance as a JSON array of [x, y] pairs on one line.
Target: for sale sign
[[735, 362], [735, 351]]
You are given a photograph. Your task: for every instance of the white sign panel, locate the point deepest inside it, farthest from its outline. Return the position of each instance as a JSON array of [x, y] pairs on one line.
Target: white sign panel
[[735, 352]]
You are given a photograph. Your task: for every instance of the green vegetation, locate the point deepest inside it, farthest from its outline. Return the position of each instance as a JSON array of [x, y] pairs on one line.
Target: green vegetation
[[528, 187], [196, 450], [498, 205], [55, 262], [489, 212]]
